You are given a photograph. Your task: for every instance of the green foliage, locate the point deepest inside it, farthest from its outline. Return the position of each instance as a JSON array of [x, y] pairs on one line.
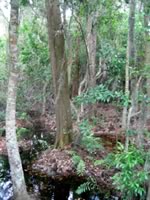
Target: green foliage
[[24, 2], [131, 177], [130, 180], [23, 133], [98, 94], [79, 164], [3, 77], [115, 60], [108, 162], [89, 185], [42, 144], [131, 132], [88, 141], [2, 115], [2, 131], [34, 53], [34, 59], [147, 134], [3, 43], [22, 115]]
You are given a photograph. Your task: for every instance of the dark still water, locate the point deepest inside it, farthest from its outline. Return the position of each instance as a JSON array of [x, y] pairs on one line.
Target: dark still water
[[42, 187]]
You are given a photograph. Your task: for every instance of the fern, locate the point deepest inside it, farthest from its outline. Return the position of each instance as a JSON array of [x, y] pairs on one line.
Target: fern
[[107, 162], [81, 168], [89, 185], [79, 164], [88, 141]]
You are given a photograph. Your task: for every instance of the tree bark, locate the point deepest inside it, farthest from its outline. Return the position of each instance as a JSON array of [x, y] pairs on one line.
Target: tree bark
[[147, 45], [141, 124], [147, 169], [75, 81], [44, 98], [148, 194], [130, 58], [59, 72], [17, 175], [91, 47], [147, 64]]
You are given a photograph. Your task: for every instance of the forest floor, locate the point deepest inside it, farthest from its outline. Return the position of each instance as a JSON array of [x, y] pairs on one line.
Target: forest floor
[[58, 164]]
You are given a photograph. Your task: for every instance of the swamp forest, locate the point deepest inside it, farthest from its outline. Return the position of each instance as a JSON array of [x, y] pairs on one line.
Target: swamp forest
[[74, 99]]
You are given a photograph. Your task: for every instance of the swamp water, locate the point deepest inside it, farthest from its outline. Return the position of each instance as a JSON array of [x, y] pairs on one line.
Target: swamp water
[[42, 187]]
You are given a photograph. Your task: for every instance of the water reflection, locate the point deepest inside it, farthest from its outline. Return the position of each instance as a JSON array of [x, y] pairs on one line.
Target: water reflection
[[45, 189], [70, 195], [94, 197], [6, 193], [6, 190]]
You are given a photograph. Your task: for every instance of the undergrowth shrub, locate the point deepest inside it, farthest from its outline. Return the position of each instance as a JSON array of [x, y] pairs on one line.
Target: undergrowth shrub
[[99, 93], [40, 144], [91, 144], [131, 177], [89, 185], [2, 116], [22, 115], [88, 141], [108, 162], [23, 133], [78, 163]]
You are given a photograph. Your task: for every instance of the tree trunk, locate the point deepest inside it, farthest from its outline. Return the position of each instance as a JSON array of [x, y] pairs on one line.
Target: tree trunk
[[44, 98], [130, 59], [68, 42], [76, 79], [147, 169], [147, 64], [60, 76], [17, 174], [76, 71], [91, 47], [141, 124], [148, 194], [147, 45], [148, 91]]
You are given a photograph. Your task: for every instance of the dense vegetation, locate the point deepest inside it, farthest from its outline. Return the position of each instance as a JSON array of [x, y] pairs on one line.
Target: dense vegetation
[[84, 66]]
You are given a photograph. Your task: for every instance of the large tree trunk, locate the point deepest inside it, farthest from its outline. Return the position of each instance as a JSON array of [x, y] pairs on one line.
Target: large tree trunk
[[147, 45], [91, 48], [17, 174], [148, 194], [147, 64], [60, 76], [44, 98], [130, 58], [147, 169], [75, 81]]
